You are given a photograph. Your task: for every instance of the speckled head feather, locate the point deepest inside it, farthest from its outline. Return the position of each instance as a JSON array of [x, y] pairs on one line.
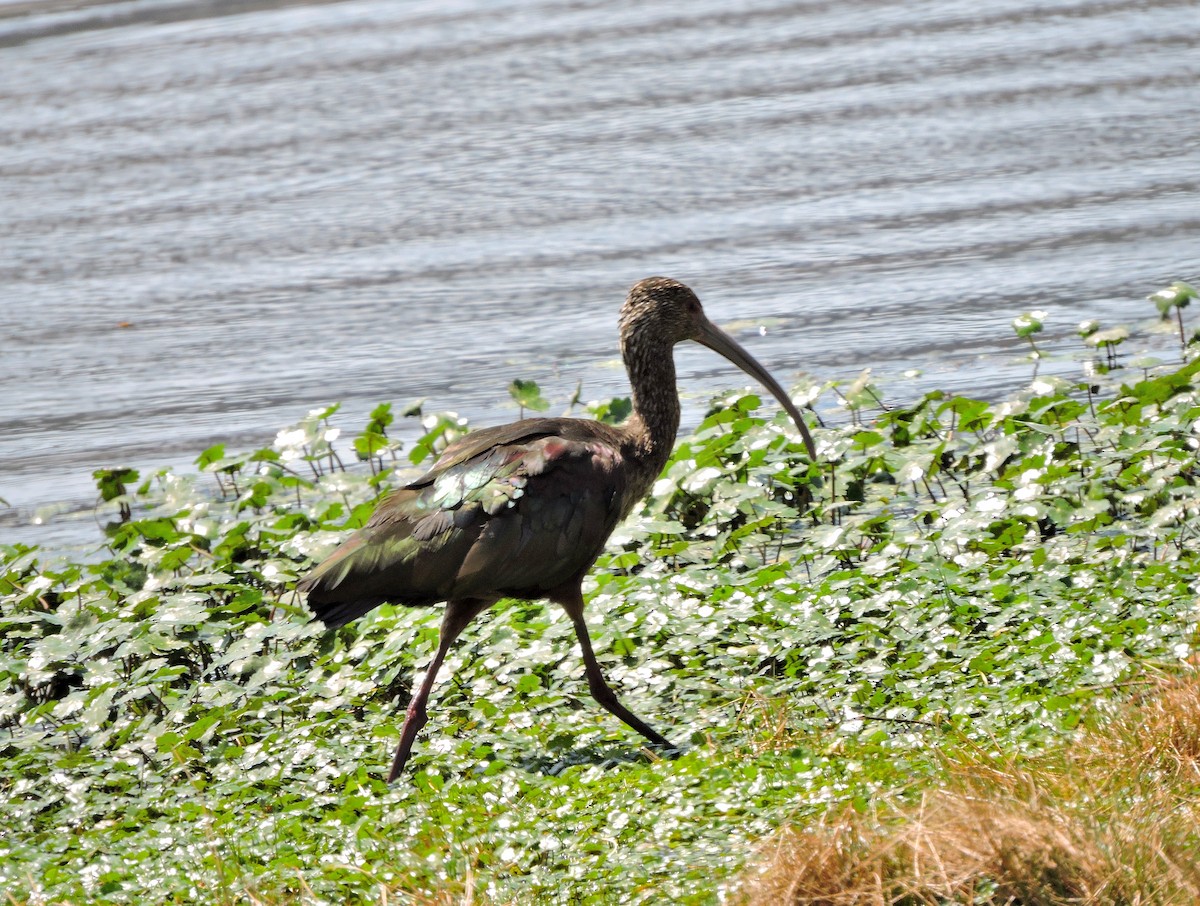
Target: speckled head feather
[[659, 310]]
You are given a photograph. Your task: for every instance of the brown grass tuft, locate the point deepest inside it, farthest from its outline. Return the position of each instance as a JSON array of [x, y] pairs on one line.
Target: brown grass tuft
[[1109, 819], [949, 848], [1160, 730]]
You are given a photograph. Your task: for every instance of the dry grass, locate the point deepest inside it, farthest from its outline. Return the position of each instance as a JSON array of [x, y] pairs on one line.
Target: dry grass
[[1113, 818]]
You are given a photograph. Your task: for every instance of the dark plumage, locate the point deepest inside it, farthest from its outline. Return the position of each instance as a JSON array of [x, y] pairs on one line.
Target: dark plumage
[[523, 510]]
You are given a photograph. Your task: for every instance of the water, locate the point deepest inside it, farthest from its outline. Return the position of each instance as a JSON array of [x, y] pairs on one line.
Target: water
[[216, 216]]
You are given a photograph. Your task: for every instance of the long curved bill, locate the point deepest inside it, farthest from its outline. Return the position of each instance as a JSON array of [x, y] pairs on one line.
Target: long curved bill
[[720, 342]]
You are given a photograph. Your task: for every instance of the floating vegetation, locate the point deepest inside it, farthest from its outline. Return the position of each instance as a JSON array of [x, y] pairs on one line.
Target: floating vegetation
[[951, 575]]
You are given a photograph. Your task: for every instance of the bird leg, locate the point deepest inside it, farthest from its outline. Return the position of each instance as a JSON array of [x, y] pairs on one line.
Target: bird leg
[[458, 615], [597, 684]]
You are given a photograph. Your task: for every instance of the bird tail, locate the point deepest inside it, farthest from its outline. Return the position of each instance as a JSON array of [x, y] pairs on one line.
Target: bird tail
[[330, 603], [337, 614], [359, 576]]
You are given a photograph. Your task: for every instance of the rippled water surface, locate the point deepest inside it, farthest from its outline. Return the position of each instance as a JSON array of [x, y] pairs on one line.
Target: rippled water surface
[[218, 215]]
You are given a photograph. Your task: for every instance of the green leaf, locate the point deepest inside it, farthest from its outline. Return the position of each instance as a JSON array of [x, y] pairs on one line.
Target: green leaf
[[111, 482], [1028, 323], [211, 455], [527, 395], [613, 412]]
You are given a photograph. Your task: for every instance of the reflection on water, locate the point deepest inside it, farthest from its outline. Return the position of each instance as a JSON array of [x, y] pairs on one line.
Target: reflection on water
[[217, 216]]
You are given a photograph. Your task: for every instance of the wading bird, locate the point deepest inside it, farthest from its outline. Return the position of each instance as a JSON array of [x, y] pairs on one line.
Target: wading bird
[[523, 510]]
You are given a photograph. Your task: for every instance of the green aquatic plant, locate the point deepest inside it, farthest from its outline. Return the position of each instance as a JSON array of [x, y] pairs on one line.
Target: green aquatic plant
[[527, 395], [1026, 326], [1108, 340], [113, 487], [1175, 297]]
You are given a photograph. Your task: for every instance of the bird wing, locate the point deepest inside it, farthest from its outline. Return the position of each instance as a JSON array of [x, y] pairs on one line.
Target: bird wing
[[517, 433], [517, 511]]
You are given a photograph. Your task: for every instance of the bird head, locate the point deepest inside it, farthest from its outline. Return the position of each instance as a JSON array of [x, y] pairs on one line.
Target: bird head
[[660, 311]]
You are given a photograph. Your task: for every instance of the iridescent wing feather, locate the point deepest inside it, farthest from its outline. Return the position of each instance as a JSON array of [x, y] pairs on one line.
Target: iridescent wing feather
[[517, 510]]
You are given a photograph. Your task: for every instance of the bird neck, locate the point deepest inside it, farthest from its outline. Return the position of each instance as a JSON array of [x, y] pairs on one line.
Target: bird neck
[[654, 421]]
